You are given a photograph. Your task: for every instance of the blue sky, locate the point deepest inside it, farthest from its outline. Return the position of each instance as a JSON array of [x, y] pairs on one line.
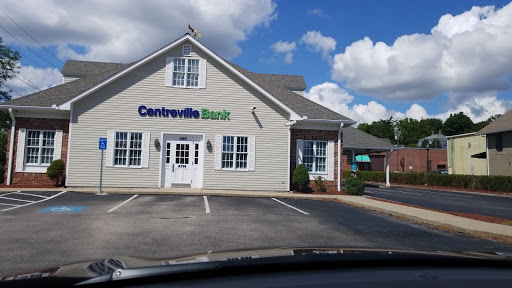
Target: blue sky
[[434, 57]]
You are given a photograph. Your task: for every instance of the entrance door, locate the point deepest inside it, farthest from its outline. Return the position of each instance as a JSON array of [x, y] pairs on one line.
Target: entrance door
[[181, 161]]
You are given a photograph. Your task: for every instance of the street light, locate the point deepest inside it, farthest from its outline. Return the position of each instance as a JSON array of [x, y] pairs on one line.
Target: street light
[[397, 139], [428, 166]]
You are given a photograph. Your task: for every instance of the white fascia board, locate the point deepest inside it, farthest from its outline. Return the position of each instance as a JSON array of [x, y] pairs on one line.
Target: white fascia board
[[293, 115], [16, 107], [373, 148], [345, 122]]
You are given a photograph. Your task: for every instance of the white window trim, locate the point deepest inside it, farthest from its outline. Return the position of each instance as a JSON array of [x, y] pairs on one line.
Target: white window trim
[[314, 172], [201, 78], [251, 153], [40, 156], [21, 161], [329, 173], [144, 150], [185, 49]]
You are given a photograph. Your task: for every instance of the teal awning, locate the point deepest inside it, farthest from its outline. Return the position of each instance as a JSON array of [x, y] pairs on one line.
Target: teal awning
[[362, 158]]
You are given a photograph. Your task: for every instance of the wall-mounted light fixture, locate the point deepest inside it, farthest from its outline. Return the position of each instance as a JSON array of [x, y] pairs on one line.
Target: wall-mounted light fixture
[[209, 145], [157, 144]]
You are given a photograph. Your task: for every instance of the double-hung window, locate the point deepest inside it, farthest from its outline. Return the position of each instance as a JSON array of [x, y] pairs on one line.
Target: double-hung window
[[186, 72], [40, 147], [128, 149], [315, 156], [234, 152]]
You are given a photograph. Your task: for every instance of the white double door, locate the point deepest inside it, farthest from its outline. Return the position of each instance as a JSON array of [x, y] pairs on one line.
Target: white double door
[[182, 163]]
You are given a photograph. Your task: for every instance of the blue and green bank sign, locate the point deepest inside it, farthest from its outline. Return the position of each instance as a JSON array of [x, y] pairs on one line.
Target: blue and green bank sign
[[183, 113]]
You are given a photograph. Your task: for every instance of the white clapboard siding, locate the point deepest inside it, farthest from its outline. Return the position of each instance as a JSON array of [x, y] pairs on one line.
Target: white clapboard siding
[[114, 108]]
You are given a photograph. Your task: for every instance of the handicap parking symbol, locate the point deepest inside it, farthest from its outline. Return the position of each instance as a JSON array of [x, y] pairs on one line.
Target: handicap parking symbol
[[63, 209]]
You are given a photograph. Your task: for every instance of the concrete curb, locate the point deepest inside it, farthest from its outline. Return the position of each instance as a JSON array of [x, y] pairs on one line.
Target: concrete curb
[[380, 185], [438, 219]]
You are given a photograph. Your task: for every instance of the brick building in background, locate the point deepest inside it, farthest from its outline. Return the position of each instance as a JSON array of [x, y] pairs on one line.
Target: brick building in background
[[404, 160]]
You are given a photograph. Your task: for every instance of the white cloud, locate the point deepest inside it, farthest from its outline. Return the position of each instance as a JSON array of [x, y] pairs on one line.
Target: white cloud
[[288, 58], [318, 12], [283, 47], [286, 48], [30, 77], [124, 31], [467, 53], [319, 43], [338, 99]]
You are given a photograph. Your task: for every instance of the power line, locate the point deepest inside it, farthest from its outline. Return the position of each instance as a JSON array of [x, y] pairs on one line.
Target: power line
[[32, 37], [12, 89], [33, 61], [26, 46], [31, 85]]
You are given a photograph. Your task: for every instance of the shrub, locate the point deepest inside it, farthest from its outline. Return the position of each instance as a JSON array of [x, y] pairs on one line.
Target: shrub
[[56, 171], [320, 184], [354, 186], [301, 176]]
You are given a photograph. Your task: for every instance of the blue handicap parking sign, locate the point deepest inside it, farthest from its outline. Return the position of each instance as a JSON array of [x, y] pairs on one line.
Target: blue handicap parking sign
[[103, 144], [57, 209]]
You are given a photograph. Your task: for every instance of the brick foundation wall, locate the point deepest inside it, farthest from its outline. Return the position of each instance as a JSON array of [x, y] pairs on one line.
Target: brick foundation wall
[[322, 135], [25, 179]]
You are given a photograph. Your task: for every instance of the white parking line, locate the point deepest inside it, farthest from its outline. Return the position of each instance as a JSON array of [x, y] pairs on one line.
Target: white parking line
[[124, 202], [206, 205], [290, 206], [2, 197], [51, 197], [9, 204], [21, 193]]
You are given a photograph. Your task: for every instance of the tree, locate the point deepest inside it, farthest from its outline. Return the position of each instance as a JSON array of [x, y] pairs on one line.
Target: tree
[[458, 124], [8, 68], [412, 130], [480, 125], [433, 123], [436, 144], [380, 129]]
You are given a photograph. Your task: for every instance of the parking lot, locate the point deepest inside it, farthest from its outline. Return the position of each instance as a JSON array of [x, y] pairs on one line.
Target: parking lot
[[45, 229]]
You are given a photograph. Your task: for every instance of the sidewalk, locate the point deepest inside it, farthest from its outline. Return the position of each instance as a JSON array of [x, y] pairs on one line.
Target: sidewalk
[[438, 219]]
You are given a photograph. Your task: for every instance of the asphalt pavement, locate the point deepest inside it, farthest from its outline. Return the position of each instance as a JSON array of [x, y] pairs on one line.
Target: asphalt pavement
[[56, 228], [488, 205]]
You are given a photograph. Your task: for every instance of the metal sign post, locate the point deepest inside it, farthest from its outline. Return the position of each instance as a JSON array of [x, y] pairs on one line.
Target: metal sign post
[[102, 147]]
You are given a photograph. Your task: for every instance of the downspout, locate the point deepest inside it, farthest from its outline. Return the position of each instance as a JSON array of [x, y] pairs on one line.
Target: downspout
[[339, 157], [289, 125], [487, 153], [11, 146]]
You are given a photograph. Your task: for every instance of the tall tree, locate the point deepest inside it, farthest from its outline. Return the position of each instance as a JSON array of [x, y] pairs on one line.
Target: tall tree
[[412, 130], [380, 129], [458, 124], [434, 124], [8, 68]]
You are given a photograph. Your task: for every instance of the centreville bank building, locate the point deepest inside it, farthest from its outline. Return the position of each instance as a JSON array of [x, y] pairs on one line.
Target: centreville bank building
[[179, 117]]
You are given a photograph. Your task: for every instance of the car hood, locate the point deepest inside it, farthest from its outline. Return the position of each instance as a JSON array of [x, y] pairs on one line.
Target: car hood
[[109, 267]]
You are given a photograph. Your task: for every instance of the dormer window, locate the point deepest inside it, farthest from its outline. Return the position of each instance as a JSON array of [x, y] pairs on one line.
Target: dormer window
[[187, 50]]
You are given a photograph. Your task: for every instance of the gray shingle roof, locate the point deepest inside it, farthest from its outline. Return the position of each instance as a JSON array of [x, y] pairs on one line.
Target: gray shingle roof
[[502, 124], [300, 104], [353, 137], [290, 82], [93, 73], [62, 93], [73, 68]]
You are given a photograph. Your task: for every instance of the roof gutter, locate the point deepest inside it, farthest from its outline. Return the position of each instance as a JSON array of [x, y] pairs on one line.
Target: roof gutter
[[375, 148], [18, 107], [11, 146], [345, 122], [339, 156]]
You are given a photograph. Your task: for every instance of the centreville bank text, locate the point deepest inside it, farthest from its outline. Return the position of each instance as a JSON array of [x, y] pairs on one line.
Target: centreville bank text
[[183, 113]]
